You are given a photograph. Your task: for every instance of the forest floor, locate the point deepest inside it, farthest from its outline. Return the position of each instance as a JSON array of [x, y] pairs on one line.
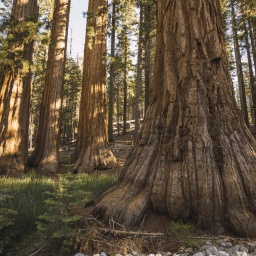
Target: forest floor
[[121, 147], [157, 233]]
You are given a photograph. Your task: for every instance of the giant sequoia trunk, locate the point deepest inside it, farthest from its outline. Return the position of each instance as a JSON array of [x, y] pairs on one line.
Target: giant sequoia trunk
[[15, 86], [46, 153], [195, 158], [92, 148]]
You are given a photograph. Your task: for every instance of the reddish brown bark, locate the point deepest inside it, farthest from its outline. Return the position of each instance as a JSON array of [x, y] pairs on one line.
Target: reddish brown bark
[[92, 148], [195, 159], [46, 153], [15, 86]]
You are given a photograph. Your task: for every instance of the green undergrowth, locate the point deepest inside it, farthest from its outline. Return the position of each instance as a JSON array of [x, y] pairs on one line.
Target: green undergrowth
[[184, 232], [45, 206]]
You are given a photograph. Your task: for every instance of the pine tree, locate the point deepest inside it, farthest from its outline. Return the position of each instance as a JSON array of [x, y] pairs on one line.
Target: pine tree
[[92, 148], [240, 76], [15, 84], [112, 73], [46, 153], [72, 88]]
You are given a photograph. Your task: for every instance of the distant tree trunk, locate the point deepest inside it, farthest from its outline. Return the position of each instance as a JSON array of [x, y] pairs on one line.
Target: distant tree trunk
[[195, 159], [46, 153], [15, 86], [112, 74], [150, 24], [251, 79], [139, 76], [118, 109], [92, 147], [147, 54], [239, 68], [253, 42], [125, 80]]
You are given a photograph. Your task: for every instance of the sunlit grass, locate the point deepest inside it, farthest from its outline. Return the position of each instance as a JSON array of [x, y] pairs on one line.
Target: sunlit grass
[[26, 197], [97, 183]]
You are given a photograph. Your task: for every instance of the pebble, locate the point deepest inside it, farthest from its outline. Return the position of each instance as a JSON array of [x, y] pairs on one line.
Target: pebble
[[218, 248], [198, 254]]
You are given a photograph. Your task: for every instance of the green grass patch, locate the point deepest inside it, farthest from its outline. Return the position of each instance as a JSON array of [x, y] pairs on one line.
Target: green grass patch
[[23, 200], [96, 184], [24, 196]]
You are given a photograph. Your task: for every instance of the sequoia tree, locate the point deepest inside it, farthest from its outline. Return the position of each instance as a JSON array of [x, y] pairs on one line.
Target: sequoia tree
[[194, 159], [46, 153], [92, 147], [15, 86]]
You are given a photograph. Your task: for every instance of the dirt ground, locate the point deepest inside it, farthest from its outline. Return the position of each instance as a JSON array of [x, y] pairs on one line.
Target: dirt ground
[[121, 148]]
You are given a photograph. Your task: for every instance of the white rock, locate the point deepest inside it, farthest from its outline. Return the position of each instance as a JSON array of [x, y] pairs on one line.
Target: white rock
[[96, 254], [213, 250], [208, 253], [190, 250], [205, 247], [228, 250], [158, 254], [222, 253], [151, 255], [134, 253], [79, 254], [118, 254], [235, 249], [198, 254], [243, 249], [228, 244], [168, 254], [103, 254], [241, 254]]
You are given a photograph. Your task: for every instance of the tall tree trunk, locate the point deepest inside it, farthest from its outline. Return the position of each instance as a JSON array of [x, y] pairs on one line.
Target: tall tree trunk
[[240, 76], [46, 153], [125, 80], [139, 76], [112, 74], [251, 79], [92, 147], [147, 54], [195, 158], [253, 41], [15, 86]]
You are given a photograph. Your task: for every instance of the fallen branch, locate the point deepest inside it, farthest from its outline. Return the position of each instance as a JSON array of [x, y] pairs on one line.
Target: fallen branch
[[129, 233], [37, 251]]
